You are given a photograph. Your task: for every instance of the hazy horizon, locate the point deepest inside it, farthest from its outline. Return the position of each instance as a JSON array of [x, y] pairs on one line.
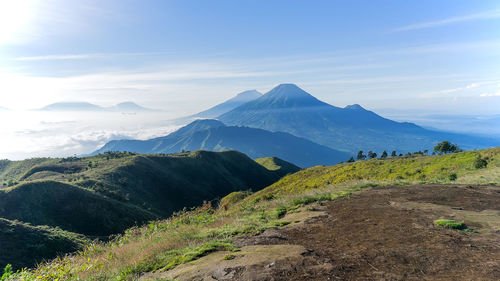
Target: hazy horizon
[[404, 60]]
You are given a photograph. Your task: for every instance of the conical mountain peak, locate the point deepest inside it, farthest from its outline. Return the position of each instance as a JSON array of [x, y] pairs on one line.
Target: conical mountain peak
[[354, 107], [288, 96], [288, 90], [247, 95]]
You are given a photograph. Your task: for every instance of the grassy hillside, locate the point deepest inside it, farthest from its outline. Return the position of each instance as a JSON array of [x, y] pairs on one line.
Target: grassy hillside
[[162, 245], [69, 207], [157, 184], [11, 171], [276, 164], [164, 184], [106, 194], [24, 245], [457, 168]]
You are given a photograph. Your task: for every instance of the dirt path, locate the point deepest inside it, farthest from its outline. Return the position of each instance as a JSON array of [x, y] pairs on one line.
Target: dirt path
[[385, 233]]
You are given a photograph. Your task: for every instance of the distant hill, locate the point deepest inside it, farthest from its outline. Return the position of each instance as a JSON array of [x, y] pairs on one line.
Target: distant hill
[[287, 108], [129, 107], [72, 106], [24, 245], [229, 105], [215, 136], [108, 193], [279, 165], [85, 106]]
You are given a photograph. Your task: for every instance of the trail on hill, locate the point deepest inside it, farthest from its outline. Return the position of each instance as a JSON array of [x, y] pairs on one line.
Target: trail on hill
[[386, 233]]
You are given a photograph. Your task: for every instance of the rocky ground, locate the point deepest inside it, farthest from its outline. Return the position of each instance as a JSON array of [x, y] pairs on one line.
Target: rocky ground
[[386, 233]]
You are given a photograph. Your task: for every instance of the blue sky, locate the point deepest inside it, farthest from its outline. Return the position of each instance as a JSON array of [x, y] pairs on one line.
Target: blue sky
[[183, 56]]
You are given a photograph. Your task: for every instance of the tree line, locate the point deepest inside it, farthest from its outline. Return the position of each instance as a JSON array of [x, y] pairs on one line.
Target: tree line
[[443, 147]]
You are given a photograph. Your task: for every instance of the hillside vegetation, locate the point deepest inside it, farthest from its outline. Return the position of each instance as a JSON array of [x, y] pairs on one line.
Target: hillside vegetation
[[29, 245], [69, 207], [163, 245], [106, 194], [456, 167]]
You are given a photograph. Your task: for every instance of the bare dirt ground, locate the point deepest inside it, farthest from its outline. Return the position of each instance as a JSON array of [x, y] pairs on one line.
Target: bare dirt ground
[[386, 233]]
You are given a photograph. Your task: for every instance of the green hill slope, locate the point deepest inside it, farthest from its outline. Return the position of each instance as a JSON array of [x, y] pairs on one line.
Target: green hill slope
[[69, 207], [106, 194], [422, 169], [11, 171], [24, 245], [163, 245], [164, 184], [276, 164]]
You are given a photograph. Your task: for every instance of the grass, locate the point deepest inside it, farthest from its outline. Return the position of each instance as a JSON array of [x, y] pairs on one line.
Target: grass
[[162, 245], [450, 224], [229, 257], [106, 194], [160, 184], [187, 235], [69, 207], [398, 170], [278, 165], [24, 245]]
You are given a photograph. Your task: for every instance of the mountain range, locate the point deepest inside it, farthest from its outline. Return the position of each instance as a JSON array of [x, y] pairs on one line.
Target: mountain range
[[85, 106], [288, 108], [292, 124], [214, 135]]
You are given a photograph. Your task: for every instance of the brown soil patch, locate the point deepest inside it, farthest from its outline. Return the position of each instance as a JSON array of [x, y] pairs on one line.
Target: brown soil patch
[[385, 233]]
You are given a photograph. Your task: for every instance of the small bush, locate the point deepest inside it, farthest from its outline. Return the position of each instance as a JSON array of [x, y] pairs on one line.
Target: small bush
[[480, 163], [452, 177], [267, 196], [453, 224], [229, 257], [280, 211]]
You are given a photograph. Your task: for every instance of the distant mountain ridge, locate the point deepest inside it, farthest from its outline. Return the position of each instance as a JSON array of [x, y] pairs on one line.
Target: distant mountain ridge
[[86, 106], [216, 136], [288, 108], [229, 104]]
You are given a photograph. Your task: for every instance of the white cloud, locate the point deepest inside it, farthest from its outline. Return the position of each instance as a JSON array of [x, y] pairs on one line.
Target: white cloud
[[468, 87], [441, 22], [83, 56], [487, 95], [59, 57]]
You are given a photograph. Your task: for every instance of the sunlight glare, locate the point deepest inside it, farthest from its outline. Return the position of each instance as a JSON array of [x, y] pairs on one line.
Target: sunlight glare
[[16, 17]]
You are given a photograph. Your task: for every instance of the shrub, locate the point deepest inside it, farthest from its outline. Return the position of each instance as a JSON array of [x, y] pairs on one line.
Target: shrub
[[280, 211], [7, 272], [450, 224], [452, 177], [229, 257], [267, 196], [480, 163]]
